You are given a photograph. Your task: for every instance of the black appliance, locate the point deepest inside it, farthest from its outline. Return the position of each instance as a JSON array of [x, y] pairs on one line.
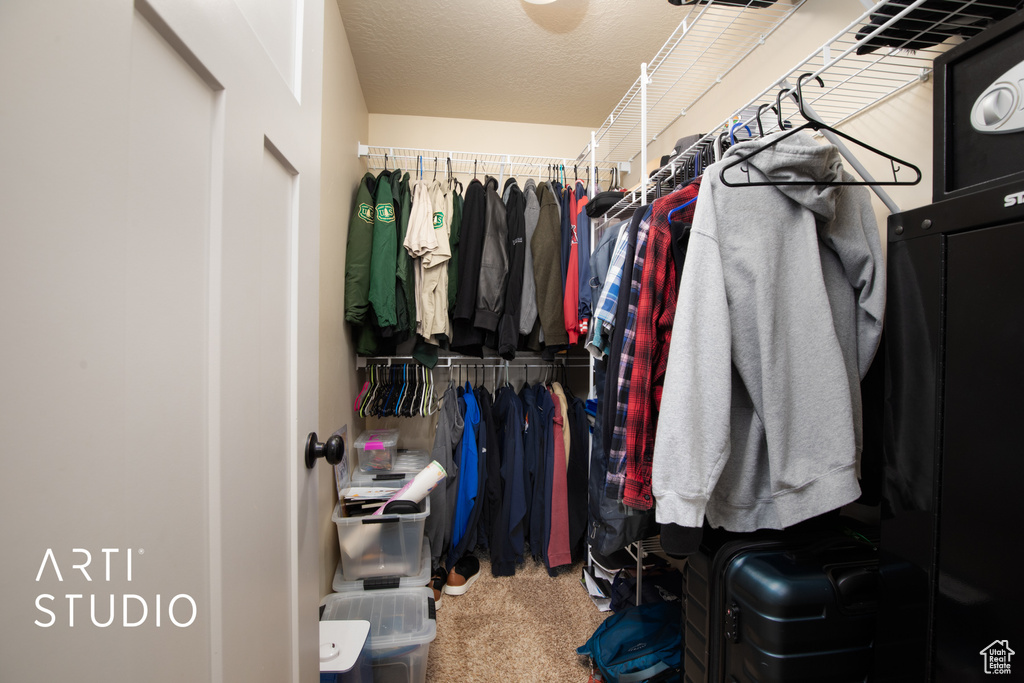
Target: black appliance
[[979, 111], [953, 493]]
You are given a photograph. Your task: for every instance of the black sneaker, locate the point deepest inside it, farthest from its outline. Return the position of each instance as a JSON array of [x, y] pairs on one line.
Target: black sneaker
[[463, 575], [437, 582]]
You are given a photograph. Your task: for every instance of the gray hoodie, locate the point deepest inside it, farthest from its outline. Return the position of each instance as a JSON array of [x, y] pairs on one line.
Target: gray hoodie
[[779, 316]]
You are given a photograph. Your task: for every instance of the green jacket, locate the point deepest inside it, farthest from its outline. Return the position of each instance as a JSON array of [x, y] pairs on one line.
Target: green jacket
[[546, 247], [357, 254], [384, 255]]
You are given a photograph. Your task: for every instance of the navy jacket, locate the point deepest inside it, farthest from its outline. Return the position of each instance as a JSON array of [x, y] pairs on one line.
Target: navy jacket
[[507, 530]]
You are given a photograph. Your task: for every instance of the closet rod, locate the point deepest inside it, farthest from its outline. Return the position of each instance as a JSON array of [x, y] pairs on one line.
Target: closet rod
[[449, 362], [376, 153]]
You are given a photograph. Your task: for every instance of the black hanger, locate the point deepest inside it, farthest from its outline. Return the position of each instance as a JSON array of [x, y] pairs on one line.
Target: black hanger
[[815, 124], [385, 162], [757, 117], [575, 174], [474, 169], [435, 168]]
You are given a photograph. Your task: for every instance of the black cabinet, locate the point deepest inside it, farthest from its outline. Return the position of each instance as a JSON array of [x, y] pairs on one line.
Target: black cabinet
[[953, 499]]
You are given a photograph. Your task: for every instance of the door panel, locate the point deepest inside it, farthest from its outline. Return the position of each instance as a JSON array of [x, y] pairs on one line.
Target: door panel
[[274, 23], [158, 373]]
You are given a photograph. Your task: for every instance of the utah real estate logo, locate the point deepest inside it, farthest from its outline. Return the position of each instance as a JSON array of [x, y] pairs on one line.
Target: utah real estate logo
[[997, 657]]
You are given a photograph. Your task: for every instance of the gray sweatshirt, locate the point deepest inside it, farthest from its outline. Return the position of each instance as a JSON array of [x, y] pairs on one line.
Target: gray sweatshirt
[[779, 316], [528, 308], [438, 526]]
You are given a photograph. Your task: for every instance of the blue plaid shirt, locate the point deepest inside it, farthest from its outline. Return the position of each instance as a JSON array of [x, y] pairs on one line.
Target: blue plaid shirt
[[615, 481], [604, 313]]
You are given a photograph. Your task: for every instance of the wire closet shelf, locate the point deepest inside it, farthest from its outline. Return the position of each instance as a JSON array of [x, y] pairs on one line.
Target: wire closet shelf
[[480, 163], [710, 41], [853, 83]]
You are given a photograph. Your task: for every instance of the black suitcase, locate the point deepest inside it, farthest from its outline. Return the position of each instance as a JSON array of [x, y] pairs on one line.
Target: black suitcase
[[781, 607]]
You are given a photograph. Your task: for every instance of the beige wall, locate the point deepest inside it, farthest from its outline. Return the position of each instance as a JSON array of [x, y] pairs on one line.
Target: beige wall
[[345, 123], [471, 135], [901, 126]]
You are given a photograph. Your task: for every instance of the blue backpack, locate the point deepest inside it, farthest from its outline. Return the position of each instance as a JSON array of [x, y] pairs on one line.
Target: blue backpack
[[637, 644]]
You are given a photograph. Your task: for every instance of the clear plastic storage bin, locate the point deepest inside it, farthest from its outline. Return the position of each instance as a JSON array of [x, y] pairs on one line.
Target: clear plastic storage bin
[[340, 585], [402, 626], [380, 545], [377, 450], [406, 465]]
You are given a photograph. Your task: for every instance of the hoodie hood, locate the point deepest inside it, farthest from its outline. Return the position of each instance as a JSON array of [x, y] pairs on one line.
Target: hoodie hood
[[798, 158]]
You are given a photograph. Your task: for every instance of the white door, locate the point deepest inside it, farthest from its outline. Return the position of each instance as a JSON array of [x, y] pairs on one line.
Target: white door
[[159, 207]]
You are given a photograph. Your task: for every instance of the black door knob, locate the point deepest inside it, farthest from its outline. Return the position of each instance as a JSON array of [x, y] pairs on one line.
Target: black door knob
[[331, 451]]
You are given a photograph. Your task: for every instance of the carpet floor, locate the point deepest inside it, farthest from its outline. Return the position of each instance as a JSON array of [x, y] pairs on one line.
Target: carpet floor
[[521, 628]]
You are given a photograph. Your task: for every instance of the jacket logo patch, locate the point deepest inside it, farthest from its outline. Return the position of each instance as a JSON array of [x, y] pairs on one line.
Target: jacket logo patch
[[366, 212], [385, 213], [438, 220]]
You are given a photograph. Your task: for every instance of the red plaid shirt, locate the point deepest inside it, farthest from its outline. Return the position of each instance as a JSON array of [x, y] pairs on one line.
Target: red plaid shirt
[[656, 311]]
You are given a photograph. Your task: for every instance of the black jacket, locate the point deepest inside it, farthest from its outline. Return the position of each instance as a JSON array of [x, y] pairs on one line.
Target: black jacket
[[466, 339], [490, 298], [515, 219]]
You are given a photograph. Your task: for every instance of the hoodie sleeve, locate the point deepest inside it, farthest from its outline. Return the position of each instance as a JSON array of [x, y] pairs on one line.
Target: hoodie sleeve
[[693, 438]]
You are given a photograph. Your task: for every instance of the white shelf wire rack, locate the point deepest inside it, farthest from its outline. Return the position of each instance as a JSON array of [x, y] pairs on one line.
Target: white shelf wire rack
[[853, 82], [707, 44], [480, 163]]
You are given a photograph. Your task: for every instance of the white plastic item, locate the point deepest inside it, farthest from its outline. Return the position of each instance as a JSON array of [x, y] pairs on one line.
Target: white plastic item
[[420, 487], [422, 578], [377, 449], [345, 651], [402, 626]]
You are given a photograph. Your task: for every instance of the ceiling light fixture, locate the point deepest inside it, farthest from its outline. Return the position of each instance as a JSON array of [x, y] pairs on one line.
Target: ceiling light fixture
[[539, 2]]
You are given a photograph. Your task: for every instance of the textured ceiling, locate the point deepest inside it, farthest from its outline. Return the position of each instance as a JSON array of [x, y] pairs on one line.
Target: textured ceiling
[[565, 63]]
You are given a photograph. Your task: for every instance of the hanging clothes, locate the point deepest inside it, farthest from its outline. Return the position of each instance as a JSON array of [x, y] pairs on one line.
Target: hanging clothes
[[434, 268], [584, 311], [453, 241], [383, 258], [358, 251], [528, 305], [570, 265], [558, 553], [656, 309], [405, 292], [546, 247], [493, 262], [533, 468], [779, 316], [515, 221], [447, 438], [616, 477], [420, 240], [606, 273], [468, 484], [466, 338], [576, 476], [507, 535]]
